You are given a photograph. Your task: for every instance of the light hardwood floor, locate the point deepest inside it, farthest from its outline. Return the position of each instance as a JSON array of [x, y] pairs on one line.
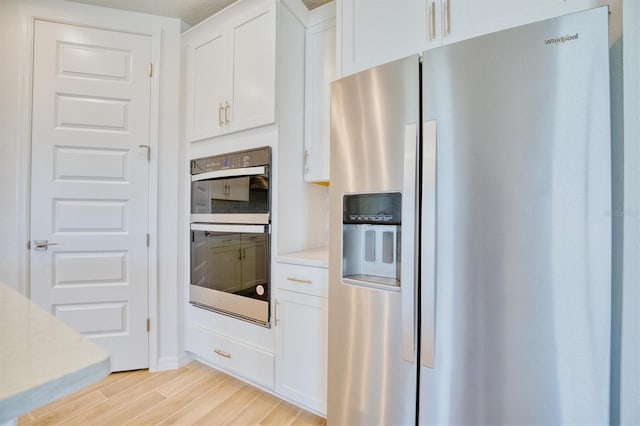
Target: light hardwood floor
[[193, 394]]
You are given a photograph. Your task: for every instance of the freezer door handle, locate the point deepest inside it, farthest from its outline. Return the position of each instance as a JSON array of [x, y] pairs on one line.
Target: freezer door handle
[[408, 244], [428, 246]]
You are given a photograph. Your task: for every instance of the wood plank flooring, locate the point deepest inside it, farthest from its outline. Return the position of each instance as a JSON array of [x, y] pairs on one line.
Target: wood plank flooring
[[195, 394]]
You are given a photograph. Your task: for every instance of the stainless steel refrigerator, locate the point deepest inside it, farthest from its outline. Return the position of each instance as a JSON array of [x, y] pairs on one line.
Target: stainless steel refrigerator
[[470, 232]]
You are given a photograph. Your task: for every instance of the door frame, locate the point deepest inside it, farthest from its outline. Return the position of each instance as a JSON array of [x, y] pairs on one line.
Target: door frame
[[84, 17]]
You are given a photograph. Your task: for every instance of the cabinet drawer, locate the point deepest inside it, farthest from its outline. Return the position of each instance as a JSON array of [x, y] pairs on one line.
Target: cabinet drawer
[[301, 279], [249, 362]]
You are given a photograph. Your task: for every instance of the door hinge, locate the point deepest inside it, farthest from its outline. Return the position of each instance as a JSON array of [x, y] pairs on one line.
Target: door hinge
[[148, 324], [148, 240], [29, 245], [150, 69]]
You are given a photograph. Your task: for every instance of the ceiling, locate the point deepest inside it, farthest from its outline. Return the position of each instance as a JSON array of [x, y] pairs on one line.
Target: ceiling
[[189, 11]]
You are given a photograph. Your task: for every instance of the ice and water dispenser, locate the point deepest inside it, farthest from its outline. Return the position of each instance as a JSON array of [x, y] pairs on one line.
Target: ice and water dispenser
[[371, 235]]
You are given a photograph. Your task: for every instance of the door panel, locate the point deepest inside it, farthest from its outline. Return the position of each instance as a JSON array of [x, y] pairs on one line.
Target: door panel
[[94, 61], [523, 264], [371, 381], [89, 184], [97, 165]]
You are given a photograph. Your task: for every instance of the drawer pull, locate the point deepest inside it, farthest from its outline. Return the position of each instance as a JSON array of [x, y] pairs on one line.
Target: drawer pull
[[299, 280], [222, 353]]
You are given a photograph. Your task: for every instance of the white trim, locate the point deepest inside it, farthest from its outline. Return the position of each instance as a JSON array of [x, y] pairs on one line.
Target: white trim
[[28, 15], [154, 144], [630, 350], [217, 174], [321, 14], [339, 37], [298, 9], [173, 362], [23, 147], [245, 229]]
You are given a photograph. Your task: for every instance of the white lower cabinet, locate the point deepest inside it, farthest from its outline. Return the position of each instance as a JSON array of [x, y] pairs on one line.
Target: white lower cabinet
[[234, 356], [301, 348]]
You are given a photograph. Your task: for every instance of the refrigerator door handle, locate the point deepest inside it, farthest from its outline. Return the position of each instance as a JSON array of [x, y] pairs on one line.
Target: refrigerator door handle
[[428, 246], [408, 244]]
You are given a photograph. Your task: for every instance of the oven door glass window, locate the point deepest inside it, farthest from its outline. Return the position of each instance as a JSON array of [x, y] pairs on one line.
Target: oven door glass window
[[235, 263], [232, 195]]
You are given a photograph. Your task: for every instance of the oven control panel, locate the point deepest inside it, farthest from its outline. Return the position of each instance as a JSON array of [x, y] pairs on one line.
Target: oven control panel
[[232, 160]]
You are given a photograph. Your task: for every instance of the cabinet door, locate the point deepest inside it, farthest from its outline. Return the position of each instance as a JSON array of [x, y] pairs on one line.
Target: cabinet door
[[379, 31], [253, 90], [225, 268], [470, 18], [301, 348], [254, 265], [238, 188], [320, 70], [217, 191], [206, 87]]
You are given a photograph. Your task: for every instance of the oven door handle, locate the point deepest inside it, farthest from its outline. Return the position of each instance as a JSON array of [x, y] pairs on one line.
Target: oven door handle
[[221, 174], [243, 229]]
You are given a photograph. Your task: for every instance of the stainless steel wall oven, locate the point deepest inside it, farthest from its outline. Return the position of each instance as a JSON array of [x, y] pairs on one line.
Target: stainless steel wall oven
[[230, 234]]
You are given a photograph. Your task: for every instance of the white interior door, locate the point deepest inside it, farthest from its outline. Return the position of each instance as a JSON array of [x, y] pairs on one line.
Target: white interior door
[[89, 185]]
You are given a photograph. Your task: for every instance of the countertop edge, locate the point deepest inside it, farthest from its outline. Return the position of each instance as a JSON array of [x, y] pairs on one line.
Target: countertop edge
[[30, 399], [316, 257]]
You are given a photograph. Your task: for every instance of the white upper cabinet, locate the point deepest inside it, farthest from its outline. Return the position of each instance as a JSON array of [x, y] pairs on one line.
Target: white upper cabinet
[[231, 70], [254, 71], [206, 86], [379, 31], [320, 71], [469, 18], [373, 32]]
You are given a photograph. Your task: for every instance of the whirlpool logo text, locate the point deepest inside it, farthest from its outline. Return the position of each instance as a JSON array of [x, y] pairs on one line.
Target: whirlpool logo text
[[560, 40]]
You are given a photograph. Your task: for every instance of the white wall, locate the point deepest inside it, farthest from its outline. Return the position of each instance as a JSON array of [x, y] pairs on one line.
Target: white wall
[[9, 36], [166, 345]]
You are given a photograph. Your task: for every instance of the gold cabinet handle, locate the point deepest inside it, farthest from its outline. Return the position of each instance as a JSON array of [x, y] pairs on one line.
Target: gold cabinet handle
[[299, 280], [220, 117], [447, 18], [227, 107], [432, 26], [275, 314], [222, 353]]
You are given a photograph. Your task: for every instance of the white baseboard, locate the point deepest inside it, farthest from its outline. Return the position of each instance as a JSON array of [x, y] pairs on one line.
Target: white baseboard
[[173, 362]]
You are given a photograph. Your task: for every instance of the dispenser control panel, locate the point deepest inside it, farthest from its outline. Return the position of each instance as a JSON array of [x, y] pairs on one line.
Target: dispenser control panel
[[379, 208]]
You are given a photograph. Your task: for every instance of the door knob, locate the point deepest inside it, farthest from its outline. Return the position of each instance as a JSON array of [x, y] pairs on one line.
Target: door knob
[[43, 245]]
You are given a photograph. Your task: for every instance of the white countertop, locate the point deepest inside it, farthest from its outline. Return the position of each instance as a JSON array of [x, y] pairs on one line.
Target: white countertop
[[41, 358], [318, 257]]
